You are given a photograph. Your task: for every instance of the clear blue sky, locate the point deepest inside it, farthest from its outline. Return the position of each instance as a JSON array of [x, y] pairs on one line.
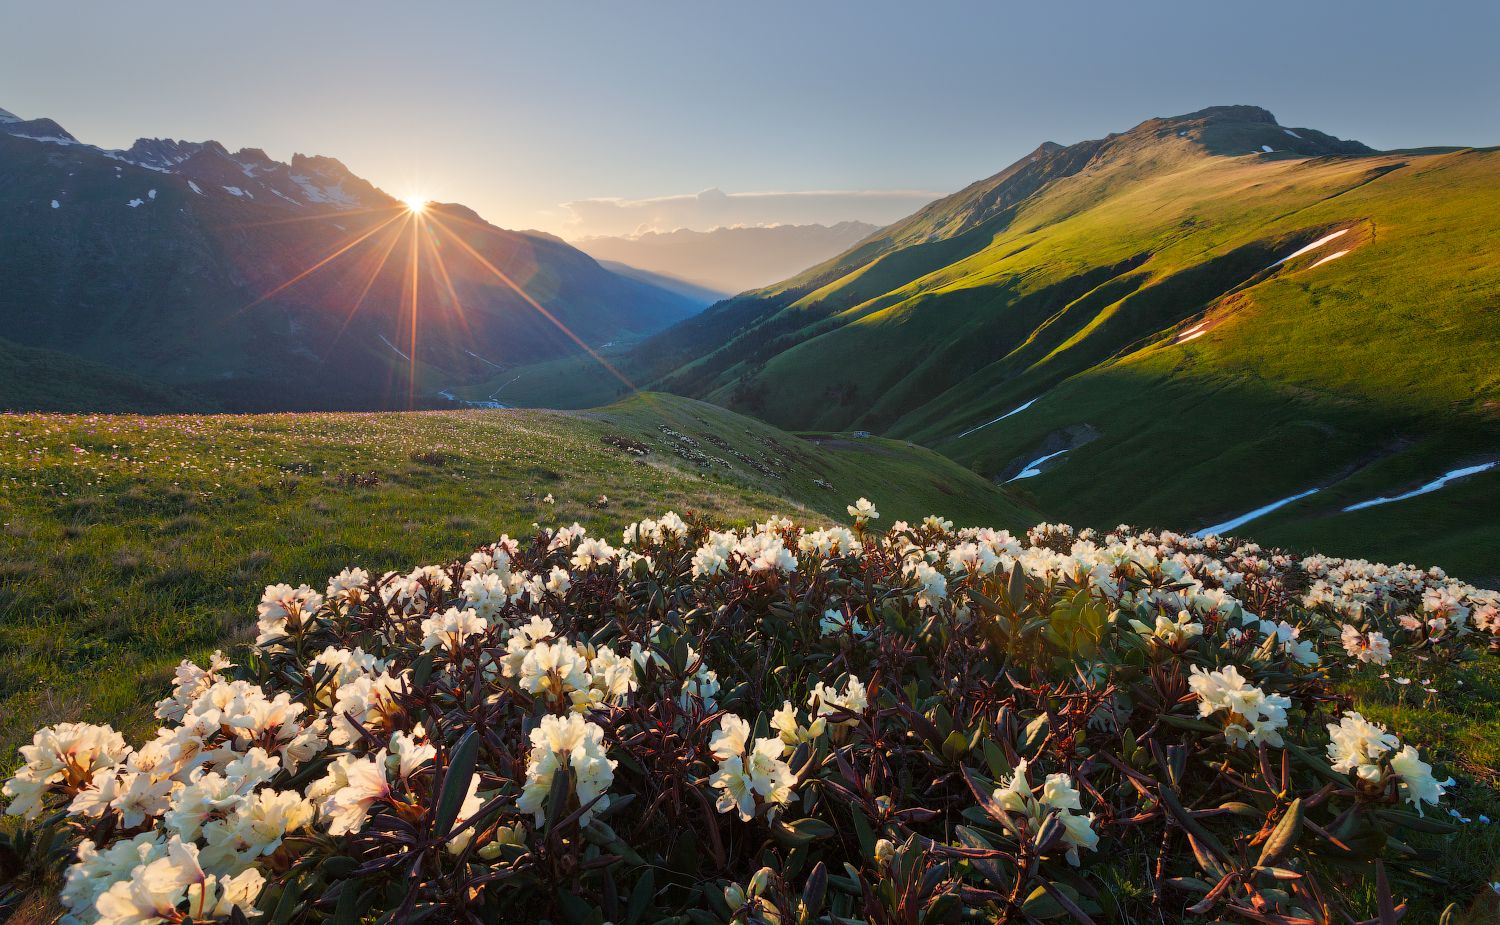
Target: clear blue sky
[[518, 108]]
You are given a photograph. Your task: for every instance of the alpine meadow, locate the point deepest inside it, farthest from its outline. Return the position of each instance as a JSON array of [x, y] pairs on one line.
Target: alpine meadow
[[635, 475]]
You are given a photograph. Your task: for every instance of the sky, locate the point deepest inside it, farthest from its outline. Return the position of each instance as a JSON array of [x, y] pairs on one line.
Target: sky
[[586, 117]]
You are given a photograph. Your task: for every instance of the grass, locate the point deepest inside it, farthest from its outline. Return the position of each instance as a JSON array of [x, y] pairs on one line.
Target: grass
[[1459, 728], [128, 543]]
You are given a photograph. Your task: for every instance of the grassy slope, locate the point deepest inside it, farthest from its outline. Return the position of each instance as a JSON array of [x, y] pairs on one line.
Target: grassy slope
[[130, 542], [1366, 376], [32, 379]]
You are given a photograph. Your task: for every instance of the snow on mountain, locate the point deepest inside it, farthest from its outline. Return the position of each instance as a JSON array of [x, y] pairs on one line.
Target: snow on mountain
[[248, 173]]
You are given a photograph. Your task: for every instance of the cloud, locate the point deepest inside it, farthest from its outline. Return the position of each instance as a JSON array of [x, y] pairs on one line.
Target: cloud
[[714, 208]]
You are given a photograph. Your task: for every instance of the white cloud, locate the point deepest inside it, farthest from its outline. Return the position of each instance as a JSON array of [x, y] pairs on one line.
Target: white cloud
[[714, 208]]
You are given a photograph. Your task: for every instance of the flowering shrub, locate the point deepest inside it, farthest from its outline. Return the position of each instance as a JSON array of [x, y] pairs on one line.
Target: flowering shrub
[[774, 725]]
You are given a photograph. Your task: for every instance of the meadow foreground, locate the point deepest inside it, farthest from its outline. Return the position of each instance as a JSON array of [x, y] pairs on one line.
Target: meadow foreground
[[780, 723]]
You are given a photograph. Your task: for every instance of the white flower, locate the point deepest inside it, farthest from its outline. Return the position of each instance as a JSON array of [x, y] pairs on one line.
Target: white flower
[[592, 553], [1171, 633], [62, 759], [825, 700], [1371, 648], [283, 609], [573, 743], [1358, 745], [98, 869], [765, 552], [365, 785], [862, 510], [747, 771], [1254, 716], [712, 558], [450, 628], [1059, 798], [1418, 786], [931, 586], [553, 669], [176, 886], [836, 621], [792, 733], [368, 701]]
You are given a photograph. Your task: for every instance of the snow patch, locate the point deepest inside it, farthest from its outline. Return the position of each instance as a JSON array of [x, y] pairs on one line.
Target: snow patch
[[1313, 246], [1333, 256], [1192, 332], [1243, 519], [56, 204], [324, 195], [1031, 469], [1268, 149], [194, 187], [1430, 487], [151, 194], [483, 360], [1291, 133], [234, 191], [134, 203], [394, 347], [1002, 417]]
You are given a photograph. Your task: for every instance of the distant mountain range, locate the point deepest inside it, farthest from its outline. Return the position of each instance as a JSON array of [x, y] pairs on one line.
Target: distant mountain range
[[1248, 324], [730, 260], [246, 283]]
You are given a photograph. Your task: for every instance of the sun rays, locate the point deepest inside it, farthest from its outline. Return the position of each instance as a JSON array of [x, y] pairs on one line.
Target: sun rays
[[415, 233]]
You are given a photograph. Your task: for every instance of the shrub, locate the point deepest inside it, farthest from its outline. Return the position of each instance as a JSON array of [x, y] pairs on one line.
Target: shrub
[[774, 725]]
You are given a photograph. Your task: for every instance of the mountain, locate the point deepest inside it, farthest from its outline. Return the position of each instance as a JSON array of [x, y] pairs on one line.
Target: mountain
[[1217, 310], [730, 260], [262, 285]]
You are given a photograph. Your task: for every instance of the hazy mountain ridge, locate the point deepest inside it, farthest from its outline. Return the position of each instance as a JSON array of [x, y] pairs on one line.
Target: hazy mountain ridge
[[187, 264], [730, 259]]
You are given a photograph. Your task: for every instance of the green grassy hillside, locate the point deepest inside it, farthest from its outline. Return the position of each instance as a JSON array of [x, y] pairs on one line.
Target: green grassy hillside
[[129, 542], [32, 379], [1139, 290]]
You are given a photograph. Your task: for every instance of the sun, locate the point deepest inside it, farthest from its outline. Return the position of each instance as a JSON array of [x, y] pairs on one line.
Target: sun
[[416, 204]]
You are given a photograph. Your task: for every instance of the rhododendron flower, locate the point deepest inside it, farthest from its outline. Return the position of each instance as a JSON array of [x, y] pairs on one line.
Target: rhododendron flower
[[174, 887], [450, 628], [835, 622], [1418, 786], [592, 553], [283, 609], [862, 510], [1358, 745], [748, 770], [1058, 798], [1253, 715], [825, 700], [792, 733], [1371, 648], [1171, 633], [62, 759], [931, 586], [365, 784], [567, 742]]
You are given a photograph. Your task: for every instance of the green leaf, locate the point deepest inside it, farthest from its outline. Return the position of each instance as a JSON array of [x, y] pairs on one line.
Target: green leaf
[[577, 911], [1283, 837], [801, 832], [1415, 823], [456, 782], [641, 897]]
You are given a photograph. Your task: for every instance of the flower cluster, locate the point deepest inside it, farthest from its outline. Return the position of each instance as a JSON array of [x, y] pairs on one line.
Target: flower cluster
[[736, 724]]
